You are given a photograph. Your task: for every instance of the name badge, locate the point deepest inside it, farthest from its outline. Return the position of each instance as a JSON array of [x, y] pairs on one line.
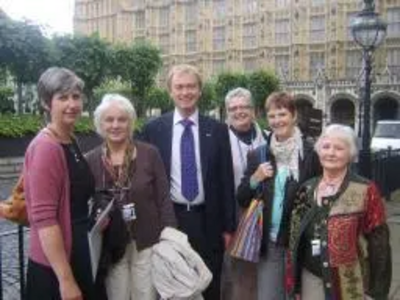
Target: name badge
[[316, 247], [129, 212]]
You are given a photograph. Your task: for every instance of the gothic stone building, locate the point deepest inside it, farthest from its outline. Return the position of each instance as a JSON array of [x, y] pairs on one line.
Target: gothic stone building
[[307, 42]]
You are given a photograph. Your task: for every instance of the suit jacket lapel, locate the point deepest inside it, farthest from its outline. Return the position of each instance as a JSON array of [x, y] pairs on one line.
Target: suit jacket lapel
[[166, 136], [205, 139]]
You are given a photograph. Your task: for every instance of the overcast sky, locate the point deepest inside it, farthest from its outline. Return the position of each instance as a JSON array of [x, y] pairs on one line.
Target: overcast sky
[[55, 14]]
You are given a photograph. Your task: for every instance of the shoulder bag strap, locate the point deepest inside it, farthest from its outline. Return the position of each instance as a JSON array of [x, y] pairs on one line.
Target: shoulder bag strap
[[262, 157]]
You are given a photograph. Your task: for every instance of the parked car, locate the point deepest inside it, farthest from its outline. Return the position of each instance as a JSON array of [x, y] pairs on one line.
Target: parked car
[[386, 135]]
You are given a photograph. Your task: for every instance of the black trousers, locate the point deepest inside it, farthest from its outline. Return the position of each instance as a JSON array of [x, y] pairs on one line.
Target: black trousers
[[42, 283], [193, 222]]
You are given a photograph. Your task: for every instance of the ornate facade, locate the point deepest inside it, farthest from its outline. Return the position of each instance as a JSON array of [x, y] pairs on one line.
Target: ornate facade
[[307, 42]]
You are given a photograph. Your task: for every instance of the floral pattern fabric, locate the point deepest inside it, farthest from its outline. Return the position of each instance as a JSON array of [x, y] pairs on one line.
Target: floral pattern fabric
[[356, 237]]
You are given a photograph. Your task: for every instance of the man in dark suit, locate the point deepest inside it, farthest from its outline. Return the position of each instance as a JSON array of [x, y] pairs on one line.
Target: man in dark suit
[[197, 156]]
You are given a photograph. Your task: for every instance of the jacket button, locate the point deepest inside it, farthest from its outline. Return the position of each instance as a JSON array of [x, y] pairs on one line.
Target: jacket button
[[325, 264], [328, 285], [324, 243]]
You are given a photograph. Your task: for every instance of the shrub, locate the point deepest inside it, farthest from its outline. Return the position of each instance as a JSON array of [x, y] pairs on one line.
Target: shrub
[[14, 126]]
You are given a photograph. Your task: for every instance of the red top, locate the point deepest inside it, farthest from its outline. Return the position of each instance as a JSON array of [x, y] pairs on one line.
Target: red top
[[47, 192]]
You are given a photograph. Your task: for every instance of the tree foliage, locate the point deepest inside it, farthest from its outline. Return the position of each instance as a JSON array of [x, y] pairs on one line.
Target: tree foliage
[[89, 57], [227, 81], [24, 52], [138, 64], [6, 102], [159, 98], [112, 86], [208, 99], [129, 70], [261, 84]]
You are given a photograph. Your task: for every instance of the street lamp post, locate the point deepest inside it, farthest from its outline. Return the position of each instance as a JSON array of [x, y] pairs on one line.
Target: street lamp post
[[368, 31]]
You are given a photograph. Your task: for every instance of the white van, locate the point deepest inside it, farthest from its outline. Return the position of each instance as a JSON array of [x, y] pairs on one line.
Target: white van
[[387, 134]]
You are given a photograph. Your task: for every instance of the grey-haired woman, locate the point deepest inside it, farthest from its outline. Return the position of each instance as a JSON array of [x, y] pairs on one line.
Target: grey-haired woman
[[339, 238], [58, 184], [135, 175], [245, 135]]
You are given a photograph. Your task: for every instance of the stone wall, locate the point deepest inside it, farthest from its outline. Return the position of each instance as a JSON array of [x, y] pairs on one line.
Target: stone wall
[[10, 169]]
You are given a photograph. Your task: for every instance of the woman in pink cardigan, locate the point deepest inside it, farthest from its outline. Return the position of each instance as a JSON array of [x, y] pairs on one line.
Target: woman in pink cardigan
[[58, 185]]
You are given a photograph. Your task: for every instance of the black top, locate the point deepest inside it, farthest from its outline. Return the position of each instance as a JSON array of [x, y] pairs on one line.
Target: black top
[[246, 137], [82, 187], [81, 181], [312, 232]]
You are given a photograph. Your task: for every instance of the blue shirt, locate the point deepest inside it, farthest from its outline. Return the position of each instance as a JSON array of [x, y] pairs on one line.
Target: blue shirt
[[277, 205]]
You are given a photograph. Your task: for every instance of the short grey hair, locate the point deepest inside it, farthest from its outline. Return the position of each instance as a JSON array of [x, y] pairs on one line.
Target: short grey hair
[[343, 132], [238, 93], [57, 80], [112, 100]]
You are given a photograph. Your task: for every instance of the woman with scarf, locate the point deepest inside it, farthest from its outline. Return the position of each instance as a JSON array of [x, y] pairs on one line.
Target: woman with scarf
[[245, 135], [289, 161], [134, 174]]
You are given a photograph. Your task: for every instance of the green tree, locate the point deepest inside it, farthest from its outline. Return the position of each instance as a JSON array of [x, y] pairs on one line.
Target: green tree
[[224, 83], [112, 86], [24, 52], [208, 97], [228, 81], [6, 102], [138, 64], [89, 57], [159, 98], [261, 84]]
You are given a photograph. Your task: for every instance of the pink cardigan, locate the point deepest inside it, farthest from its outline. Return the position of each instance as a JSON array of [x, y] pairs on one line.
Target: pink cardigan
[[47, 192]]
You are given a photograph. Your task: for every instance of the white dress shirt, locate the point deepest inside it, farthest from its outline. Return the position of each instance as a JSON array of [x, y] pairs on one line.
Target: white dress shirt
[[176, 185]]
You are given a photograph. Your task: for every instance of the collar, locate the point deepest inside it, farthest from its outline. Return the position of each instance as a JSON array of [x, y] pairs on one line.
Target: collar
[[246, 137], [193, 117]]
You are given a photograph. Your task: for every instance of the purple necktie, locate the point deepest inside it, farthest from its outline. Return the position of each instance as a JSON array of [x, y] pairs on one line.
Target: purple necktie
[[189, 184]]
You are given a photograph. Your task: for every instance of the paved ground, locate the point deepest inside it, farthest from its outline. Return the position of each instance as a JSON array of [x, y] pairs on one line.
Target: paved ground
[[9, 251]]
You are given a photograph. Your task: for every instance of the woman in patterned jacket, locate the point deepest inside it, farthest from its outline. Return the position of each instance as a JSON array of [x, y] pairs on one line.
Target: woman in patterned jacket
[[339, 241]]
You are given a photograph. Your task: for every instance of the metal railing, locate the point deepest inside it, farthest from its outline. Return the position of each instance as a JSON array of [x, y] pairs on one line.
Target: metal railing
[[385, 170], [12, 263]]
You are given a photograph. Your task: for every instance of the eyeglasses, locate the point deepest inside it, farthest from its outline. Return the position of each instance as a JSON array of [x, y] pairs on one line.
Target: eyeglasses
[[239, 107]]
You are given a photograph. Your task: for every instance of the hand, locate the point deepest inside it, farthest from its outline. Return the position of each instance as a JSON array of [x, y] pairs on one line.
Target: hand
[[227, 239], [69, 290], [263, 172], [104, 223]]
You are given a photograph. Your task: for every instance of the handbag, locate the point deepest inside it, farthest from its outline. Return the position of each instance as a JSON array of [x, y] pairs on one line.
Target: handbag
[[14, 208], [246, 243], [116, 235]]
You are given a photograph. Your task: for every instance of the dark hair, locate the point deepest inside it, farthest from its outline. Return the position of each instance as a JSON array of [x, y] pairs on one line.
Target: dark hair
[[281, 100], [57, 80]]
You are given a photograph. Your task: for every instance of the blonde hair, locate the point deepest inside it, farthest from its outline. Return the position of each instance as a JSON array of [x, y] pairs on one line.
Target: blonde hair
[[185, 69]]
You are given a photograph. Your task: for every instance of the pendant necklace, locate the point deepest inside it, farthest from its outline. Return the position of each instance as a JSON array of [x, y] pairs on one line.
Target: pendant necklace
[[72, 145]]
